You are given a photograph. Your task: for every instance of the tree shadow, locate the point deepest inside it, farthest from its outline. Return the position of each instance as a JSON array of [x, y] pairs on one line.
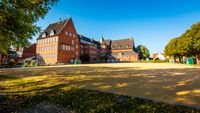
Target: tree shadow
[[176, 86], [87, 101]]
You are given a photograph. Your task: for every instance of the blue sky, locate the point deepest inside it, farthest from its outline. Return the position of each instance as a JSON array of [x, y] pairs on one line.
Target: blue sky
[[151, 22]]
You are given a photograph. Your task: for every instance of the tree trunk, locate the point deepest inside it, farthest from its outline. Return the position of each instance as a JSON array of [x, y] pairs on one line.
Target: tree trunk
[[198, 59]]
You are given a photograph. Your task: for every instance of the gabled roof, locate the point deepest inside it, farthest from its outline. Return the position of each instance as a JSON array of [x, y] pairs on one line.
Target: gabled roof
[[56, 27], [122, 44], [89, 40], [106, 42]]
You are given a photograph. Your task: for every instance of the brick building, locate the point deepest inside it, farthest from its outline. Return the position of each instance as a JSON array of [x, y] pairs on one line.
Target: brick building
[[59, 43], [27, 52], [89, 47], [119, 50]]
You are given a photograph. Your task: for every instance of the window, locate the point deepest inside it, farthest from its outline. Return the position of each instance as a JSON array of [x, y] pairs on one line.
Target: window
[[119, 47], [70, 34], [66, 33], [56, 39], [52, 32], [50, 40], [76, 46], [63, 47], [69, 48], [44, 34], [81, 46], [127, 46], [74, 35], [76, 53], [72, 42]]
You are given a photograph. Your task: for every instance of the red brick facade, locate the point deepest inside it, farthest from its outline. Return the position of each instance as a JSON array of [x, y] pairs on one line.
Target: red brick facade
[[119, 50], [90, 47], [62, 46], [27, 52], [60, 43]]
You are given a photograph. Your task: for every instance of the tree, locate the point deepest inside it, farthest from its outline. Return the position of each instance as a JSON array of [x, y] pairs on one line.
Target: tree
[[143, 52], [188, 44], [17, 21], [172, 48]]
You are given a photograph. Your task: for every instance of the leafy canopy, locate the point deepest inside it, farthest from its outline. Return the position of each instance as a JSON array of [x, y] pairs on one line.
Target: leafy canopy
[[188, 44], [17, 21], [143, 52]]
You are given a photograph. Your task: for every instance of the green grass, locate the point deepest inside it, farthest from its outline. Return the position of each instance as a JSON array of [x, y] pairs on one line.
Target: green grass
[[17, 93]]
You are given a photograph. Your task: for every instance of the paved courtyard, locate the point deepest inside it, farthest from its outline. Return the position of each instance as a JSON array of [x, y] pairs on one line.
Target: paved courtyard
[[172, 83]]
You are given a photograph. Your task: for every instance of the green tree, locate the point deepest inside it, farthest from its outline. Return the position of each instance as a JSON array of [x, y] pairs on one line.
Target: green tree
[[18, 21], [188, 44], [175, 48], [143, 52]]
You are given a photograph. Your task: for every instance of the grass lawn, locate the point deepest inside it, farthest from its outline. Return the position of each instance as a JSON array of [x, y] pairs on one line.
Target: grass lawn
[[98, 88]]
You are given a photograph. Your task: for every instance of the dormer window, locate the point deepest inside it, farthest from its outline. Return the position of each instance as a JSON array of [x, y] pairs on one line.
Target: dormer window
[[127, 46], [52, 32], [44, 34]]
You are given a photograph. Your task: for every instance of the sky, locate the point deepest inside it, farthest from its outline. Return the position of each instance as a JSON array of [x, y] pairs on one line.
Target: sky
[[152, 23]]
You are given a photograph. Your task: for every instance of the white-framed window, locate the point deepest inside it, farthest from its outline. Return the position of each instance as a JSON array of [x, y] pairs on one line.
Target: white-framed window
[[74, 35], [44, 34], [66, 33], [56, 39], [52, 32], [127, 46], [76, 46], [72, 42], [67, 47], [48, 40], [70, 34], [63, 47], [53, 39]]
